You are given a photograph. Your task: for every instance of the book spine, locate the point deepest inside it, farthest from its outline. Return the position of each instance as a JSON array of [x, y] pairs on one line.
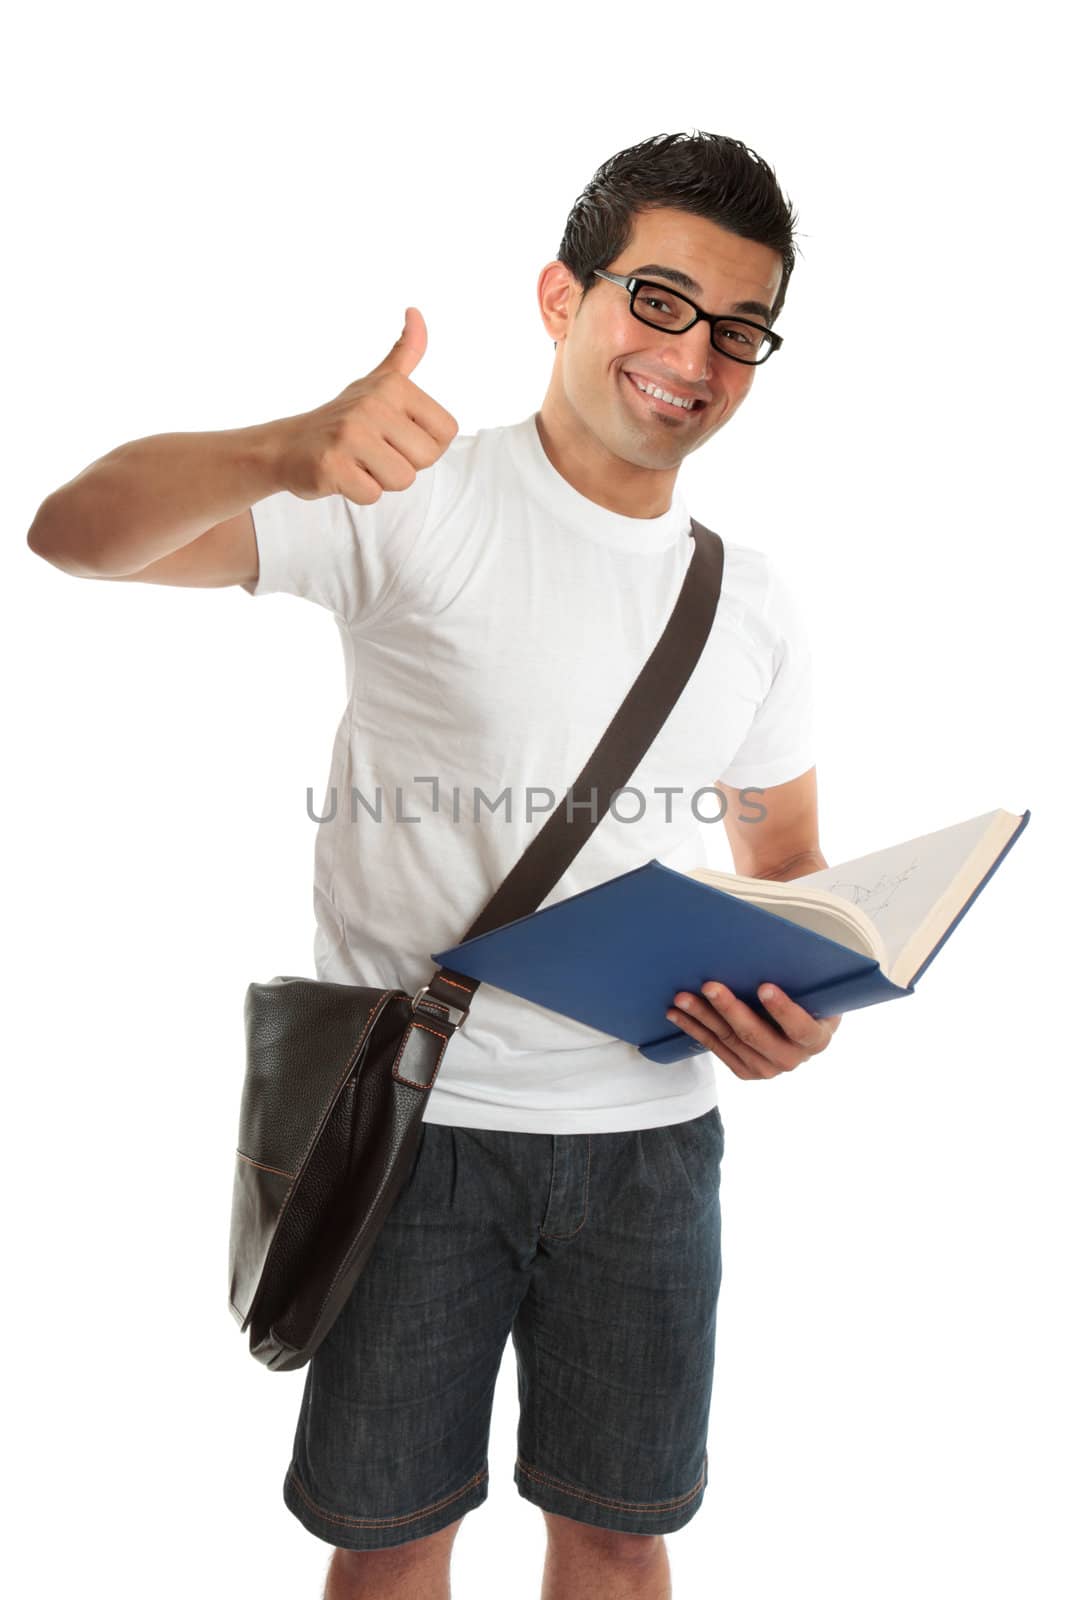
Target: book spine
[[866, 988], [674, 1047]]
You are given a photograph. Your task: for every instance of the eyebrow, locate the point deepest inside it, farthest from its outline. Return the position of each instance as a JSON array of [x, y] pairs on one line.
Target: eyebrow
[[689, 285]]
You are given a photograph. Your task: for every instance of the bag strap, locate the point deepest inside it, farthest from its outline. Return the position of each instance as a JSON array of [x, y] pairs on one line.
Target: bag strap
[[615, 758]]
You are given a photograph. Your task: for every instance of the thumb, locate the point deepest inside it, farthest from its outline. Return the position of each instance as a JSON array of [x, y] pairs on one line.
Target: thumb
[[409, 347]]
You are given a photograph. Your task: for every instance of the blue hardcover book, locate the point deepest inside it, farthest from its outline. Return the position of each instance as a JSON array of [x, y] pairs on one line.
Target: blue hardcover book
[[848, 936]]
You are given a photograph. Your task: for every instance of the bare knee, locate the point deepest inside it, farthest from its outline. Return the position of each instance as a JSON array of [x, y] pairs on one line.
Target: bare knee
[[565, 1533], [349, 1568]]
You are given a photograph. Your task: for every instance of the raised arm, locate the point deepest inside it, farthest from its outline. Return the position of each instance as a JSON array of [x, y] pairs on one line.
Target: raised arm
[[174, 507]]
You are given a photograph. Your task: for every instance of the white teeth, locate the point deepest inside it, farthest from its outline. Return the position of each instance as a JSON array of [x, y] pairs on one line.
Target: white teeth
[[662, 394]]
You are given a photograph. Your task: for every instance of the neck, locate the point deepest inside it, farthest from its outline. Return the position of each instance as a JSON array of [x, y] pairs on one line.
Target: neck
[[595, 472]]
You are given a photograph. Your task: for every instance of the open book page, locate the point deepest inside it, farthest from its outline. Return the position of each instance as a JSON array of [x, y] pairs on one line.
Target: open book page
[[831, 922], [913, 891], [821, 920]]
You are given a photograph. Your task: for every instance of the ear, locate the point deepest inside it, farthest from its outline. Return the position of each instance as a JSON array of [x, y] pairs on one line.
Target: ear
[[559, 295]]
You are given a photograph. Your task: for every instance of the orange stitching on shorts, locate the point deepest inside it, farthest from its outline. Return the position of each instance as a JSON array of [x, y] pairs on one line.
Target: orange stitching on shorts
[[616, 1505], [385, 1522], [262, 1165]]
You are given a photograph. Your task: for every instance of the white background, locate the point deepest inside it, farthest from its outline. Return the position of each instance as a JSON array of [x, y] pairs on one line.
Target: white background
[[216, 216]]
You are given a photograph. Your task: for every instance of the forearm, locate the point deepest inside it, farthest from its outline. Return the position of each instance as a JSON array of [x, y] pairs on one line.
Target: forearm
[[155, 495]]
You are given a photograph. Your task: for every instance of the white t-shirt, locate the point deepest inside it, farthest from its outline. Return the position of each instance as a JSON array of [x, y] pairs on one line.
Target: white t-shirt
[[492, 620]]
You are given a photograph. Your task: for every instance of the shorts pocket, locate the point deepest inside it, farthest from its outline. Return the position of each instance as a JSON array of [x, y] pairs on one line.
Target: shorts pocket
[[715, 1112], [700, 1145]]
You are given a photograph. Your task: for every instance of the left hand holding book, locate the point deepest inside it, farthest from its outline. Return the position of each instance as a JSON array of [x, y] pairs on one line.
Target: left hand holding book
[[744, 1041], [839, 939]]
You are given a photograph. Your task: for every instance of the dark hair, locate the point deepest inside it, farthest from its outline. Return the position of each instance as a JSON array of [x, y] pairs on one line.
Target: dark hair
[[705, 173]]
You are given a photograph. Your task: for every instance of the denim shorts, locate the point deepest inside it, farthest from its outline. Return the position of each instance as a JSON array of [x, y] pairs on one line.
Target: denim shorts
[[600, 1254]]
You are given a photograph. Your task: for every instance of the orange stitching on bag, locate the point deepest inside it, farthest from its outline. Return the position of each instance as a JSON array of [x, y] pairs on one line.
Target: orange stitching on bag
[[412, 1082], [268, 1261], [414, 1023], [386, 1522], [617, 1505], [436, 1063], [455, 984], [347, 1068], [264, 1167]]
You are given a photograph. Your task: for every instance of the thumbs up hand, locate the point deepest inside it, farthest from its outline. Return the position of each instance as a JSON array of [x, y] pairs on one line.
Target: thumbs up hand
[[378, 433]]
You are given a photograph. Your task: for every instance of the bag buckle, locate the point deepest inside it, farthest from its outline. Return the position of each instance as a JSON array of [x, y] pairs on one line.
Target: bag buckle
[[456, 1015]]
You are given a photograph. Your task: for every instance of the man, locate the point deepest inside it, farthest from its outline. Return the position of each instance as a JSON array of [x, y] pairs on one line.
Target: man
[[496, 595]]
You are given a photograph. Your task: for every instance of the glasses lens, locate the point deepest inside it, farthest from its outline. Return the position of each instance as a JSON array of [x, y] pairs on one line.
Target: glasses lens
[[743, 341], [662, 309]]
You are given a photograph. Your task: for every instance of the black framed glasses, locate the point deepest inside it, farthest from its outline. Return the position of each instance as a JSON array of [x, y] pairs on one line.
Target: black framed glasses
[[664, 308]]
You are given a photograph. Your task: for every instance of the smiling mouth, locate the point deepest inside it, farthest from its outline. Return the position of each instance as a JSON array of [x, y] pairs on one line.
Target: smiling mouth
[[664, 407]]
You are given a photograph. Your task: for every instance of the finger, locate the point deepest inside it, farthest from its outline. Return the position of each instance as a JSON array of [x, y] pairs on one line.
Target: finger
[[804, 1030], [404, 397], [408, 348], [356, 483], [388, 455], [428, 413], [692, 1011], [711, 1042], [734, 1064], [759, 1036], [699, 1019], [408, 435], [379, 461]]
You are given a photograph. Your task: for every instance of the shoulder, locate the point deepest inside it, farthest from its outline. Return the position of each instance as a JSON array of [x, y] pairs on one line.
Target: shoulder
[[435, 493], [470, 458], [763, 595]]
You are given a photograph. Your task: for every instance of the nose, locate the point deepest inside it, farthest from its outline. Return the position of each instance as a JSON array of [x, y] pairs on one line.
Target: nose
[[691, 355]]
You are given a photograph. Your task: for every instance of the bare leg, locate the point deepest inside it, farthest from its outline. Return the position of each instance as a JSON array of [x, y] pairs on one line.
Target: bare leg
[[419, 1570], [586, 1563]]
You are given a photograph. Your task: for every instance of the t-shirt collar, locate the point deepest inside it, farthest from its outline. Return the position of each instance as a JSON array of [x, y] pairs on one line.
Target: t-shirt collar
[[585, 517]]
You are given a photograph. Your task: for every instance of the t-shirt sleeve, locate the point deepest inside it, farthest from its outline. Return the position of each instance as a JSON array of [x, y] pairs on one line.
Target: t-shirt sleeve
[[779, 744], [343, 556]]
